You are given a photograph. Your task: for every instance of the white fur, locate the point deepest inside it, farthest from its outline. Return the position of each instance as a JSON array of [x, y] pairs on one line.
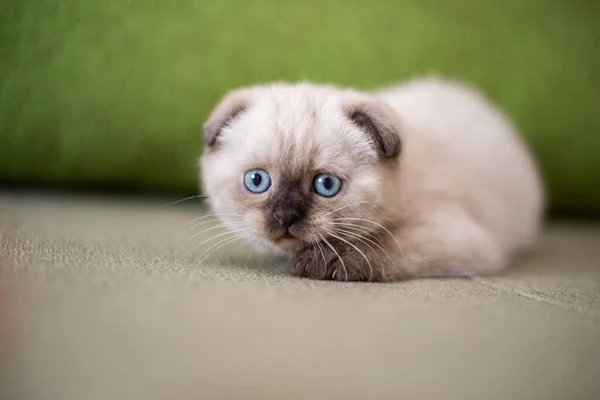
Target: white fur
[[465, 196], [465, 164]]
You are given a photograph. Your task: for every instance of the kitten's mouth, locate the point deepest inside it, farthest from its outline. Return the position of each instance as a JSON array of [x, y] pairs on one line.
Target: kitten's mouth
[[286, 237], [288, 242]]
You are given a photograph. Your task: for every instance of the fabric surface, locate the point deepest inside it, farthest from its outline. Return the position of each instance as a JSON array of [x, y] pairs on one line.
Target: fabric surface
[[115, 301], [114, 93]]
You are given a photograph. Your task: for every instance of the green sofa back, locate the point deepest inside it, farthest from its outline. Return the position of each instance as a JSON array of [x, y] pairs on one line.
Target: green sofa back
[[114, 93]]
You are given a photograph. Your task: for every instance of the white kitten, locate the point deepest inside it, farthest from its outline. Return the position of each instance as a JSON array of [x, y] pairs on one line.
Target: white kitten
[[425, 179]]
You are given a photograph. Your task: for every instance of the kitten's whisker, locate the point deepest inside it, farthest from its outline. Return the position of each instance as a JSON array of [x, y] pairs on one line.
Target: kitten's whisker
[[195, 247], [214, 218], [185, 199], [357, 249], [200, 224], [363, 240], [337, 209], [356, 235], [244, 243], [375, 243], [219, 235], [317, 242], [220, 244], [218, 215], [358, 228], [244, 207], [374, 223], [337, 254], [315, 255], [207, 253], [220, 221], [249, 253], [312, 237], [219, 226]]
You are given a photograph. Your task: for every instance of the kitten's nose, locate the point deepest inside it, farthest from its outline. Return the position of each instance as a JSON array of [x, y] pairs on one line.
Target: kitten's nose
[[287, 217]]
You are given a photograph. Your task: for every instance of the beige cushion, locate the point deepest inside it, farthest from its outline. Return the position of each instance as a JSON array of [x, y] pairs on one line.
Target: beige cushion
[[116, 304]]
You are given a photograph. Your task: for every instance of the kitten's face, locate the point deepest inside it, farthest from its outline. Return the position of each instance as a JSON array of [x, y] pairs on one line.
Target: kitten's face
[[292, 168]]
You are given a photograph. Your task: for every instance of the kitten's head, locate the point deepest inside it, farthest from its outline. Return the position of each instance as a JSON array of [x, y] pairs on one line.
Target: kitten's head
[[291, 164]]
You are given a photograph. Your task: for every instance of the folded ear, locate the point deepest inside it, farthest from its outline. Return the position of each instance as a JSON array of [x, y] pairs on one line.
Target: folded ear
[[224, 113], [380, 122]]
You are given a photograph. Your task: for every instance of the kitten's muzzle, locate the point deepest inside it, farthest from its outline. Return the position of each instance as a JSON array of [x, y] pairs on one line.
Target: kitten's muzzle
[[288, 208], [287, 217]]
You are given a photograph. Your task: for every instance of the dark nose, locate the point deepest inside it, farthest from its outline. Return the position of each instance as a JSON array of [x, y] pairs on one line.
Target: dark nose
[[288, 217]]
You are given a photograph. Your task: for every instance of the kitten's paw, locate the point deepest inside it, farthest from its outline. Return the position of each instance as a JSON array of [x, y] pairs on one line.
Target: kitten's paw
[[311, 263], [339, 261]]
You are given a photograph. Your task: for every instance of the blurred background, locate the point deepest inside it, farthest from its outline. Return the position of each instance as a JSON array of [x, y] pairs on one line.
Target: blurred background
[[114, 299], [109, 95]]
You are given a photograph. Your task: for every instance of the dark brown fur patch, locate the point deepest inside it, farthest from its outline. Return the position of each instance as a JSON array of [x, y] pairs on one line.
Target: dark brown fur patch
[[288, 196], [383, 134], [213, 128], [230, 108]]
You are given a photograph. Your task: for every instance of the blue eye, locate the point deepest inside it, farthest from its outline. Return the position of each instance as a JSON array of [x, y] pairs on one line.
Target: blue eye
[[327, 185], [257, 181]]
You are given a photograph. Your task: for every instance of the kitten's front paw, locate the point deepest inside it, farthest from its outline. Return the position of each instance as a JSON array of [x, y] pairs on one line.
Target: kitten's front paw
[[340, 262], [311, 263]]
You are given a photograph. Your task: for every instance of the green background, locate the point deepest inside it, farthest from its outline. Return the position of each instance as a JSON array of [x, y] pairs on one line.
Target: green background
[[114, 93]]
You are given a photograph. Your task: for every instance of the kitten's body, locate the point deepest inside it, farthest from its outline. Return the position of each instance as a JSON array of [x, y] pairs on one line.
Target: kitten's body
[[437, 182]]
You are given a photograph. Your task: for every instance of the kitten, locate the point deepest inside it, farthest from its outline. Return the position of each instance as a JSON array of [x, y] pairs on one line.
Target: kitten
[[424, 179]]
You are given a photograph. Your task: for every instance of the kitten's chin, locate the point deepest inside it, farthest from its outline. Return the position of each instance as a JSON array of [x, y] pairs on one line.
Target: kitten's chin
[[281, 246], [288, 244]]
